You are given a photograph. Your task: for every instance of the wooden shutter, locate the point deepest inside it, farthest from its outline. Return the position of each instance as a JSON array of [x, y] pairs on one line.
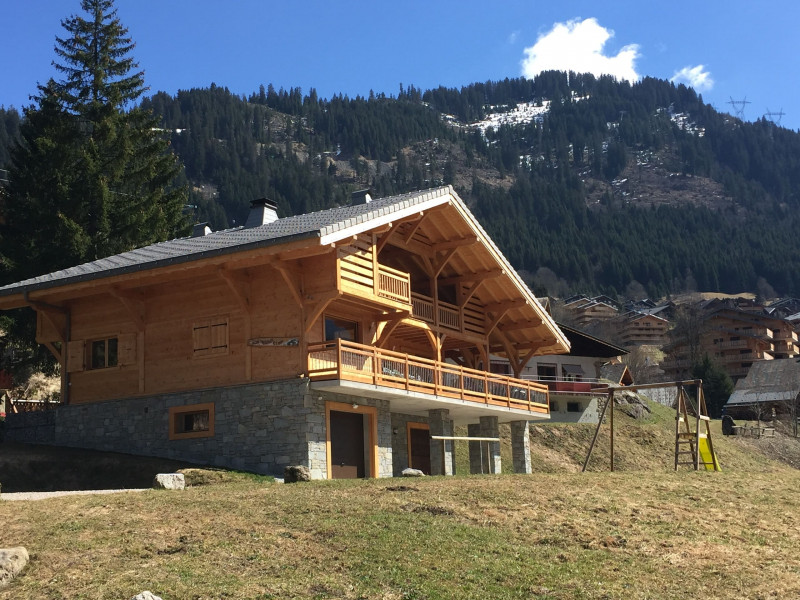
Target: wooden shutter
[[126, 349], [76, 356]]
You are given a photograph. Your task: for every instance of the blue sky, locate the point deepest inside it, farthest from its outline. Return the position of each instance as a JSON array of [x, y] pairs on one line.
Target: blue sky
[[732, 49]]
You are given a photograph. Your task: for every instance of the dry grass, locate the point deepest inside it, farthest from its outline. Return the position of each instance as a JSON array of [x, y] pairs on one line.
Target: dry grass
[[596, 535], [645, 532]]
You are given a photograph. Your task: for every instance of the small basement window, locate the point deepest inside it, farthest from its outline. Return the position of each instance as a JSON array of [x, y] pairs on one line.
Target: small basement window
[[192, 421], [103, 353], [573, 407]]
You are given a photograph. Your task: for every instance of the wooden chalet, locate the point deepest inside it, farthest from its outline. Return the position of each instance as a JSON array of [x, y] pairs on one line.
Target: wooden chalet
[[341, 340]]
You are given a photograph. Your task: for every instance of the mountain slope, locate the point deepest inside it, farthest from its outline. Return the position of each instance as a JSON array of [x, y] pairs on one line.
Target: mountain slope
[[597, 182]]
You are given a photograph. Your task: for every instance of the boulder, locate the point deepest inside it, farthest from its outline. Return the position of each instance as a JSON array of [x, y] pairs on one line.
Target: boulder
[[146, 596], [295, 473], [12, 561], [169, 481], [409, 472]]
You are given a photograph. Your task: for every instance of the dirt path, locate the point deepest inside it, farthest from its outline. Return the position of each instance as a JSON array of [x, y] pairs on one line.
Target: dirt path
[[21, 496]]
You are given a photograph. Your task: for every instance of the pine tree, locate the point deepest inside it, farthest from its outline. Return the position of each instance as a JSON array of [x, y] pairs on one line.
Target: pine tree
[[92, 175]]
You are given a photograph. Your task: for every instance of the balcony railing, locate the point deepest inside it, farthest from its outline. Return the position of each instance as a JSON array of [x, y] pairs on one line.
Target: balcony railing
[[564, 386], [444, 315], [348, 361], [393, 284]]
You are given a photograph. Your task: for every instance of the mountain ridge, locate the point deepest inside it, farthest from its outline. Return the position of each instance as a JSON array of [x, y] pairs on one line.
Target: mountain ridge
[[603, 183]]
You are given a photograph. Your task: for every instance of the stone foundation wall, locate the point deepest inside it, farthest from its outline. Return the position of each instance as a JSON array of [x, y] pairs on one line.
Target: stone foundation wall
[[400, 440], [31, 427], [260, 427]]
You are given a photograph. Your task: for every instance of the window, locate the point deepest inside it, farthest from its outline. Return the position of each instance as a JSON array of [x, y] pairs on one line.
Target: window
[[501, 368], [340, 329], [193, 421], [210, 337], [546, 372], [572, 372], [553, 406], [103, 353], [573, 407]]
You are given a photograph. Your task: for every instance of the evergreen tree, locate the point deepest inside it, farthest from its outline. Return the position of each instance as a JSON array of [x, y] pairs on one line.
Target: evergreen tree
[[92, 176], [717, 385]]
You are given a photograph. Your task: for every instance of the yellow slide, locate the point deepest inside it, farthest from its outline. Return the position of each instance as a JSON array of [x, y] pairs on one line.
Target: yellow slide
[[705, 456]]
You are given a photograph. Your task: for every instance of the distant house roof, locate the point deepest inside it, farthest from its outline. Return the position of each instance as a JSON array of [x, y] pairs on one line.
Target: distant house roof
[[583, 344], [768, 381], [617, 372], [322, 224]]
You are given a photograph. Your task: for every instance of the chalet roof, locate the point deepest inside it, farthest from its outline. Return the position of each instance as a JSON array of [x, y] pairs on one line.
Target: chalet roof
[[322, 224], [322, 229], [768, 381]]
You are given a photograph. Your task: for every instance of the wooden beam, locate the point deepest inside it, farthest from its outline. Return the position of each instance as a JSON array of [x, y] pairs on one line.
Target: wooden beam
[[496, 320], [305, 252], [520, 325], [440, 263], [456, 243], [53, 350], [473, 277], [293, 281], [412, 232], [507, 305], [239, 284], [389, 328], [315, 309]]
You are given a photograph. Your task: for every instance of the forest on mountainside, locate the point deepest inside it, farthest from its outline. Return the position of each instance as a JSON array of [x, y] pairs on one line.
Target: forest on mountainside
[[616, 184]]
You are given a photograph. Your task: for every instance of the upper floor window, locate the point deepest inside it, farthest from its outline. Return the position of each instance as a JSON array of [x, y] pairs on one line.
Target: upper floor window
[[340, 329], [103, 353], [210, 336]]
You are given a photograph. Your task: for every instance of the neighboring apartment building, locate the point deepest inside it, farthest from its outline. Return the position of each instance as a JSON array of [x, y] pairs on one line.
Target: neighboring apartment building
[[341, 340], [574, 378], [735, 339], [585, 310], [642, 329]]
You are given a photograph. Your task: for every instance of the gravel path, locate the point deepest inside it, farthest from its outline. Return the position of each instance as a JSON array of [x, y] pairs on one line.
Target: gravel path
[[17, 496]]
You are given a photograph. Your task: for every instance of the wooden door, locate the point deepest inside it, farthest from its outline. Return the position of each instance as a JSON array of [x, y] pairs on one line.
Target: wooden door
[[347, 445], [420, 451]]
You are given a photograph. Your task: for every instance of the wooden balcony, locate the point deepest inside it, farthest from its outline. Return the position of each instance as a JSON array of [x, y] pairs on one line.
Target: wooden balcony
[[448, 317], [359, 274], [347, 361]]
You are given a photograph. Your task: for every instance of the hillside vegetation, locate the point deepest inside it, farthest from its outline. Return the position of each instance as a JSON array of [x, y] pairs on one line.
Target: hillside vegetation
[[642, 532], [610, 183]]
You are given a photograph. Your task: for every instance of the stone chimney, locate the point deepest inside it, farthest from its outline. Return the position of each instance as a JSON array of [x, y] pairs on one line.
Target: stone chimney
[[200, 230], [262, 212], [361, 197]]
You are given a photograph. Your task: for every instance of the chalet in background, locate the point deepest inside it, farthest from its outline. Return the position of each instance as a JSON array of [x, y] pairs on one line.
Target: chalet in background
[[341, 340]]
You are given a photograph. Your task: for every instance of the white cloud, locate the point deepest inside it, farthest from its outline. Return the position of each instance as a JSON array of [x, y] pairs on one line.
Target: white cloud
[[697, 77], [578, 46], [512, 37]]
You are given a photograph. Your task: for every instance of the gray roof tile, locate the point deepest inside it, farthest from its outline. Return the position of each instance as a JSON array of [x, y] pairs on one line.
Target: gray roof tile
[[317, 224]]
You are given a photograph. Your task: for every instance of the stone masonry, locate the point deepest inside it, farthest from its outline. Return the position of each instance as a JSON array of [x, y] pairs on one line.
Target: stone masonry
[[521, 447], [442, 452]]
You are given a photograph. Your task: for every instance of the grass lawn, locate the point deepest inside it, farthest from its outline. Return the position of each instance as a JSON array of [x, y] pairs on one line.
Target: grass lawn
[[596, 535], [643, 532]]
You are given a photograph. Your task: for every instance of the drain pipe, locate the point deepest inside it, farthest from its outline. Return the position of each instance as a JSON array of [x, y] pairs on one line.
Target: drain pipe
[[35, 304]]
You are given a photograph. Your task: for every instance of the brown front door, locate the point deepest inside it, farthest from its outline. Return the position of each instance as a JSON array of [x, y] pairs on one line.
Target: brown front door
[[420, 451], [347, 445]]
